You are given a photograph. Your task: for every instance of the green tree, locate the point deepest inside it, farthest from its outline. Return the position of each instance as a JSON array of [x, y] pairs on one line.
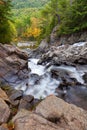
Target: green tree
[[52, 14], [75, 18], [80, 14], [69, 15], [7, 30]]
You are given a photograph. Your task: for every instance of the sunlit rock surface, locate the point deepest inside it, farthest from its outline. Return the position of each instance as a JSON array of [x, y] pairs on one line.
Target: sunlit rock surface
[[63, 114], [51, 114], [4, 111]]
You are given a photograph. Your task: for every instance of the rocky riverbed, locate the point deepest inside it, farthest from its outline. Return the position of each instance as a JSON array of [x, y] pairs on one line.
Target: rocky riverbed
[[43, 89]]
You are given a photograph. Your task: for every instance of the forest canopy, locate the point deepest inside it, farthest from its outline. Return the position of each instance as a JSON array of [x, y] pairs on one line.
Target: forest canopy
[[35, 20], [69, 15]]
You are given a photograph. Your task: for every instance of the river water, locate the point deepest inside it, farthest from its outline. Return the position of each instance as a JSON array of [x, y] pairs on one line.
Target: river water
[[41, 83]]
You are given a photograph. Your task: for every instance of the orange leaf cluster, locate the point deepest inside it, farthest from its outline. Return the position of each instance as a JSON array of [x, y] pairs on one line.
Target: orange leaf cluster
[[33, 30]]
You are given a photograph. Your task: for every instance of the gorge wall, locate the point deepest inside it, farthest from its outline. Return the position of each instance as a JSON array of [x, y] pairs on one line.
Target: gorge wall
[[68, 38]]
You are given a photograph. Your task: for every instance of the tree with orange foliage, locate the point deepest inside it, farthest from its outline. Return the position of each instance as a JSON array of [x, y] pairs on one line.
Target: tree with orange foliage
[[34, 30]]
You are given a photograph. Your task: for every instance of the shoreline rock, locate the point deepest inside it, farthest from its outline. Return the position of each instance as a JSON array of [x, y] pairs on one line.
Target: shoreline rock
[[52, 113], [4, 111], [66, 54], [13, 64]]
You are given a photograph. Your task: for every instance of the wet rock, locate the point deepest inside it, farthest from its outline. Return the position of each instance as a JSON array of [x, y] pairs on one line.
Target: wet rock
[[65, 77], [85, 77], [4, 111], [26, 120], [38, 52], [28, 98], [4, 127], [13, 62], [25, 102], [15, 97], [35, 78], [66, 54], [63, 114], [34, 103], [77, 95], [24, 105]]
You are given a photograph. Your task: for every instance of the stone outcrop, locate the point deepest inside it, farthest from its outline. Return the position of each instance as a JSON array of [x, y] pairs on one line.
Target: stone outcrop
[[43, 48], [26, 102], [4, 111], [4, 96], [51, 114], [63, 114], [27, 120], [13, 64], [66, 54], [68, 38]]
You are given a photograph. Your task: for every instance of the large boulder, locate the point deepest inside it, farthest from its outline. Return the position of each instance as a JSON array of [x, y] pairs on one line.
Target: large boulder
[[13, 64], [31, 121], [51, 114], [63, 114], [4, 111], [4, 96]]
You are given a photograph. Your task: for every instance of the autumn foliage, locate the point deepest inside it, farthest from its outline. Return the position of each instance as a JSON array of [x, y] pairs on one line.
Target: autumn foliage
[[33, 31]]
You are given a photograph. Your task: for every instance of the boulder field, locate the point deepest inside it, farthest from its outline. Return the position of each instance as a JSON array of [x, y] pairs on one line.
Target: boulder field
[[52, 113], [18, 111]]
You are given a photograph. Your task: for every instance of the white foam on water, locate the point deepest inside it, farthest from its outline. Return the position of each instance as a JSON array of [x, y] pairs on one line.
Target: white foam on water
[[79, 44], [73, 73], [36, 69], [46, 86]]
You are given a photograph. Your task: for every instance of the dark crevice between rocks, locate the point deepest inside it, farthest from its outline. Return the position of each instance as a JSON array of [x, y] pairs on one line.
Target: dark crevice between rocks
[[58, 120], [54, 120], [81, 61]]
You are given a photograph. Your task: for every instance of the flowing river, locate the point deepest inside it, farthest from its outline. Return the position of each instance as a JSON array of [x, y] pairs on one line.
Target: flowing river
[[43, 82]]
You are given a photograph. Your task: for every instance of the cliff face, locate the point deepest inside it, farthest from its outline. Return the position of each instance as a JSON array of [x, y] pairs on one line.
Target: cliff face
[[67, 39]]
